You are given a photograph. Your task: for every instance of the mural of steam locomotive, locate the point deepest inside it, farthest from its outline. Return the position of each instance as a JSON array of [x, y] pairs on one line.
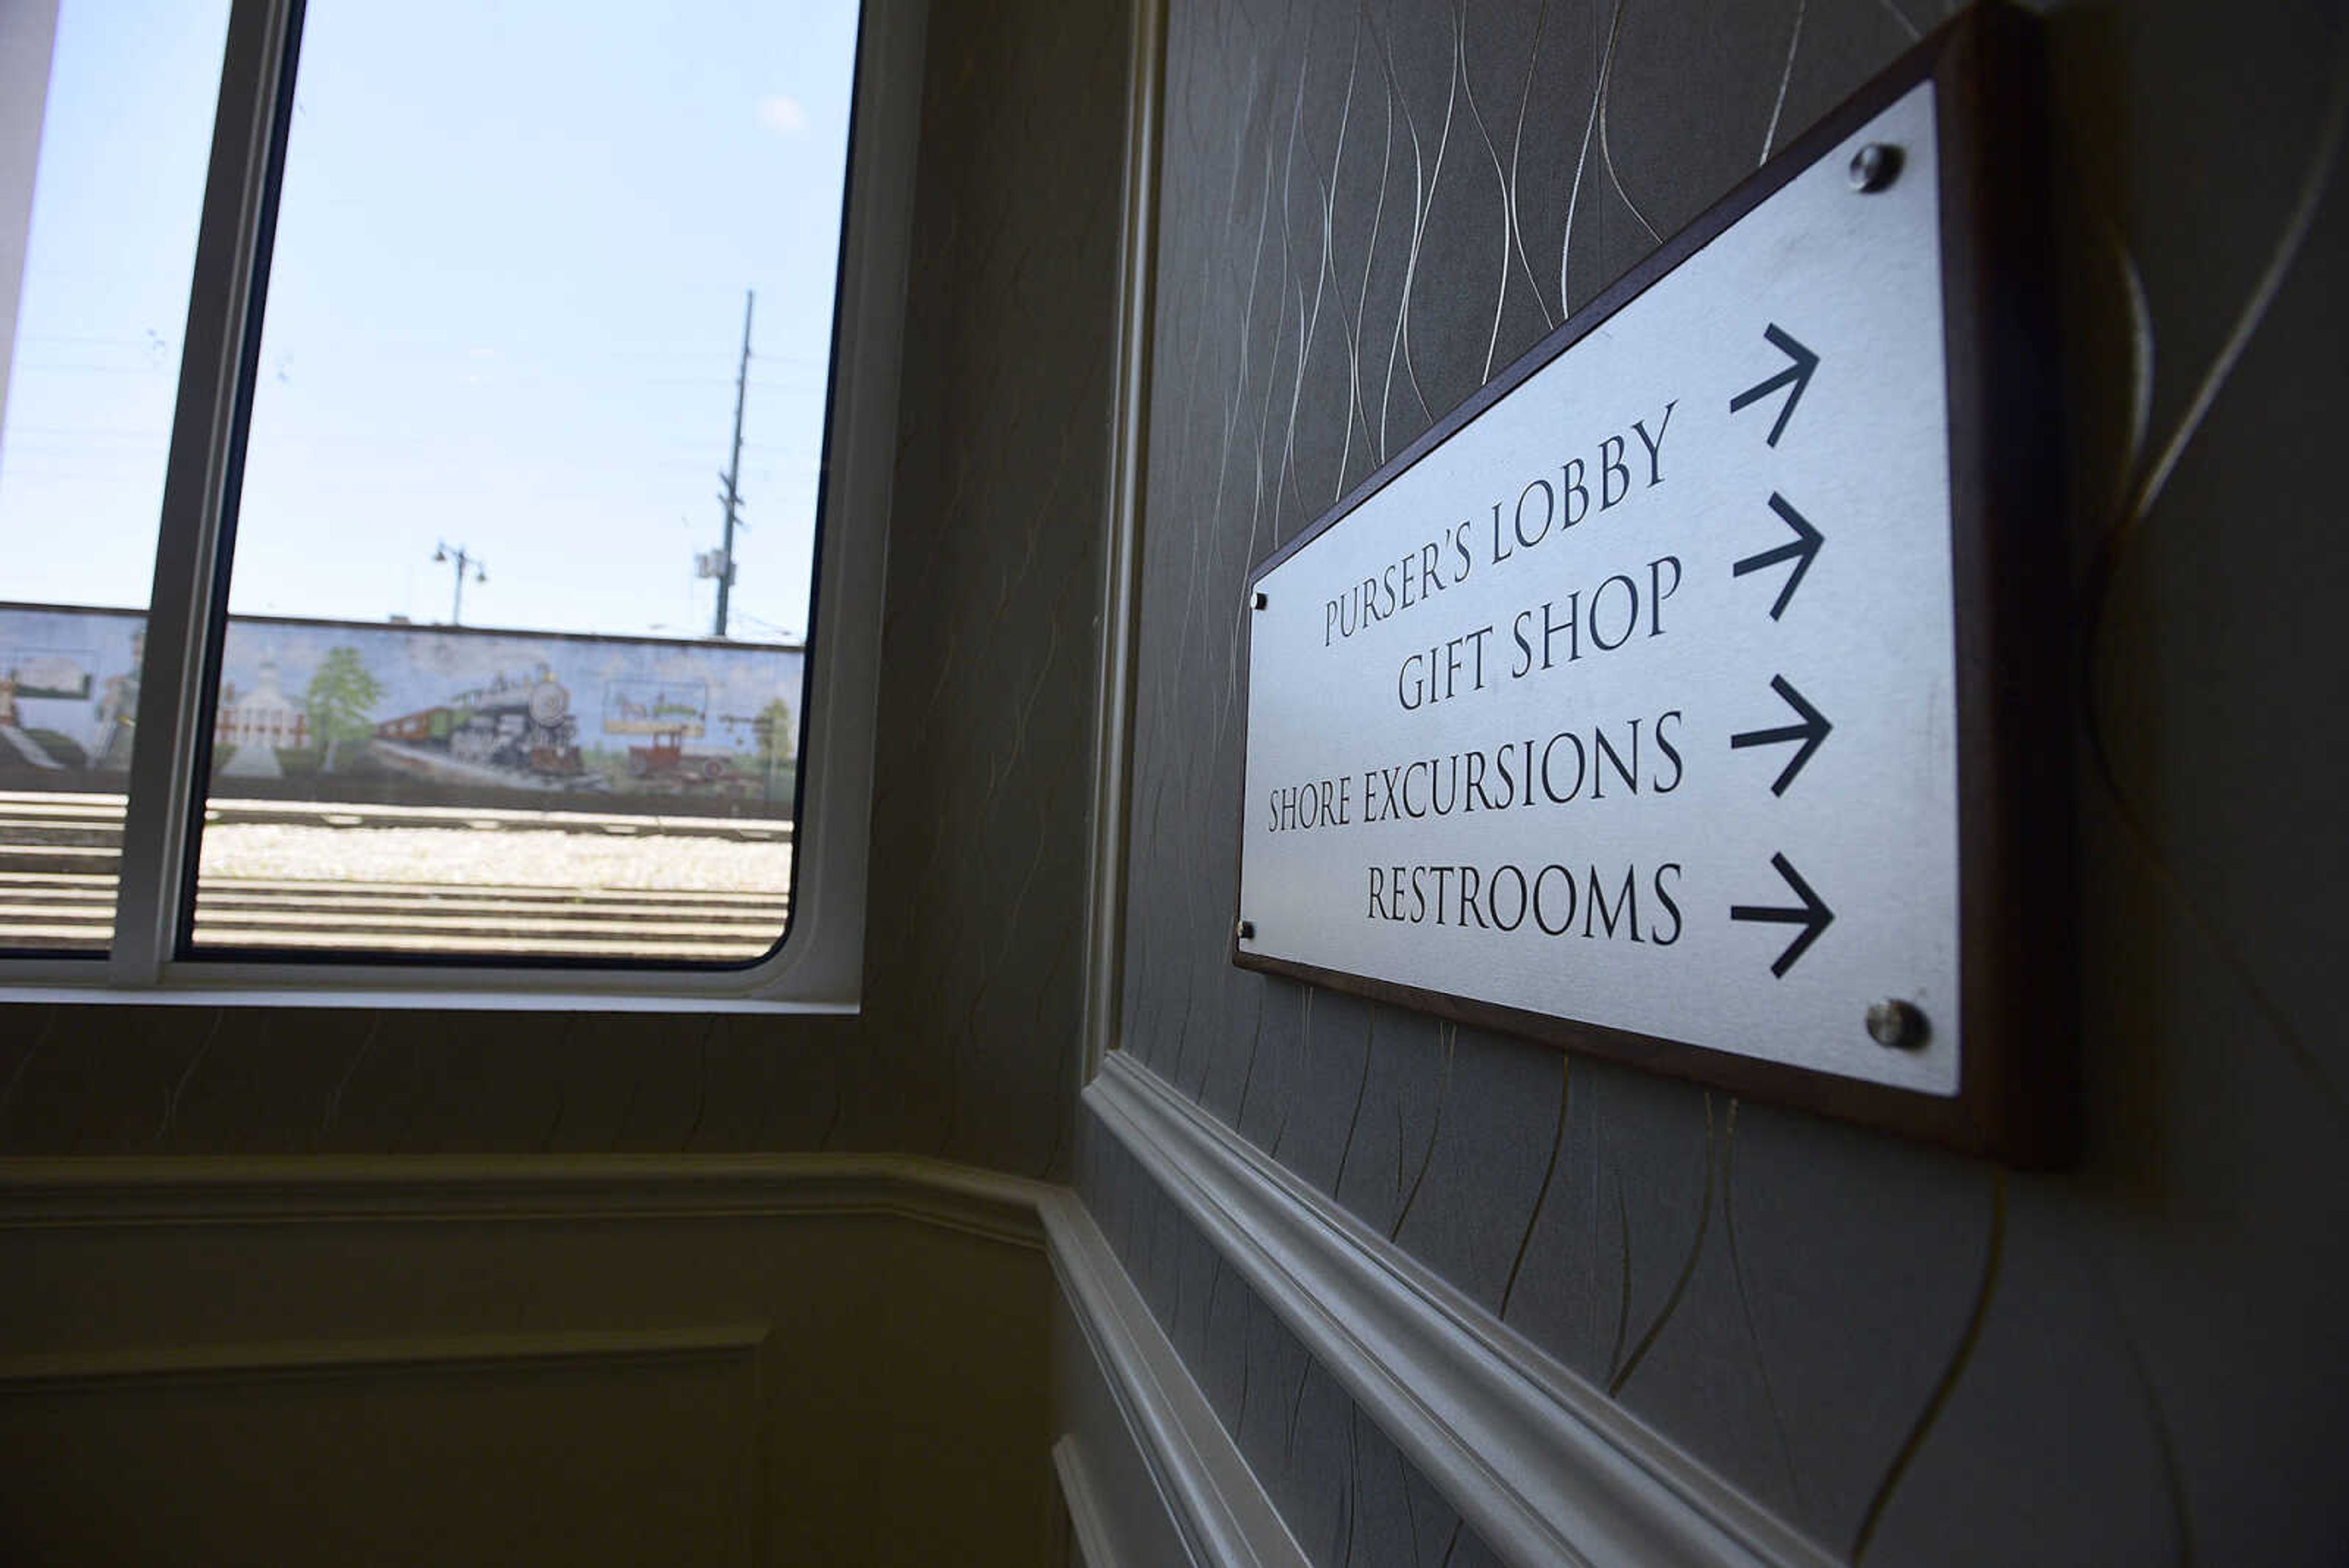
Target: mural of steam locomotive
[[303, 711], [522, 726]]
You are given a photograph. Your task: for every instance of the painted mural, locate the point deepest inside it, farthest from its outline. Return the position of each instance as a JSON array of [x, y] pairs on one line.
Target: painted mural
[[342, 710]]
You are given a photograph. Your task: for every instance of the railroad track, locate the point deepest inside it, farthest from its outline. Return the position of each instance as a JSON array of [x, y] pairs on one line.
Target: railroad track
[[60, 856]]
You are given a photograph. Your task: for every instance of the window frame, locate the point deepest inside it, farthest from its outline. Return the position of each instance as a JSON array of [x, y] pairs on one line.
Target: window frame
[[819, 965]]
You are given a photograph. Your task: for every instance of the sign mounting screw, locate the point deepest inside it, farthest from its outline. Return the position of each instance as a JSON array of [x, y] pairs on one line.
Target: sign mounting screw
[[1898, 1026], [1245, 930], [1261, 600], [1875, 166]]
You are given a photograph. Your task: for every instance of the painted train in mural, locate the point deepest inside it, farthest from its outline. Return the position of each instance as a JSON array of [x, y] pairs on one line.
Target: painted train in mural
[[523, 727], [343, 711]]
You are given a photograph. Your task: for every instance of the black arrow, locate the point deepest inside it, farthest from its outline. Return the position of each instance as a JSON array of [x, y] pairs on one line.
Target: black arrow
[[1796, 375], [1802, 552], [1814, 917], [1810, 732]]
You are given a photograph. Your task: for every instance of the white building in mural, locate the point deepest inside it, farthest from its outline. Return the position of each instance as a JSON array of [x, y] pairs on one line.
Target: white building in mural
[[259, 722]]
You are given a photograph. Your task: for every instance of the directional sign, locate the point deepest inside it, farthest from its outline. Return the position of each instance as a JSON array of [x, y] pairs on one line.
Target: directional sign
[[1632, 707]]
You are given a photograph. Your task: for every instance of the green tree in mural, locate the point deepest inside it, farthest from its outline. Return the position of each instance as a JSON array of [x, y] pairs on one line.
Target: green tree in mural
[[341, 699], [773, 729]]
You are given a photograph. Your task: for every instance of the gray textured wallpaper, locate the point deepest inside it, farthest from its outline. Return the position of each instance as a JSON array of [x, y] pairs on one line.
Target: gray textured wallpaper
[[984, 755], [1367, 207], [1348, 1495]]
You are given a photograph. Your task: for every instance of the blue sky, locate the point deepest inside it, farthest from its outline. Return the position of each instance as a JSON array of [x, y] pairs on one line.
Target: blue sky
[[504, 309]]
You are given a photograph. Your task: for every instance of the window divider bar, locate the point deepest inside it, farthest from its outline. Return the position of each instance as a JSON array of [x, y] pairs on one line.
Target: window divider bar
[[222, 298]]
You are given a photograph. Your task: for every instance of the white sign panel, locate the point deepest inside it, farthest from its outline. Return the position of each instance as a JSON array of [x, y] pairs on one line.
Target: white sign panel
[[1633, 701]]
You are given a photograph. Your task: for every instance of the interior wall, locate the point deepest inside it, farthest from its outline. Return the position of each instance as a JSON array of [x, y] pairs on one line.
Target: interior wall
[[976, 891], [1365, 210], [1343, 1489], [406, 1362], [1108, 1488]]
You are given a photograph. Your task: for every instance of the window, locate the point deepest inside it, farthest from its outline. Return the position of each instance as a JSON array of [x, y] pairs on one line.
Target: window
[[522, 485], [105, 237]]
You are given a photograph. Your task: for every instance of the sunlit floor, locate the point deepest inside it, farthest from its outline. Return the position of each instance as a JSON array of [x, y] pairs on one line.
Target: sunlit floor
[[413, 881]]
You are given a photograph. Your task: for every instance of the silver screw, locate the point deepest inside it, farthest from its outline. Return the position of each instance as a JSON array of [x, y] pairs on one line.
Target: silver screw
[[1261, 600], [1898, 1026], [1245, 930], [1875, 166]]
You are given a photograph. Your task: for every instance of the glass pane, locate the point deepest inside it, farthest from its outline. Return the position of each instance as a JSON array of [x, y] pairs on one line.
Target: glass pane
[[539, 269], [118, 95]]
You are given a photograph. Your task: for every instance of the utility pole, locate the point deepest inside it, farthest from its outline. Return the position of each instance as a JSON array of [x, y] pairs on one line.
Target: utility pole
[[732, 495], [463, 558]]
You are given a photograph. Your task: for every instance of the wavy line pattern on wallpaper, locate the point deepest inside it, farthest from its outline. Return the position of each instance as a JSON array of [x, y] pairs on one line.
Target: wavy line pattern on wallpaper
[[1348, 1495], [1367, 207]]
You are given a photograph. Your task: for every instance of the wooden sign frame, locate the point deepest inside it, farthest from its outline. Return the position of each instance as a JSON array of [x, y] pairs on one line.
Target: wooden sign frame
[[2015, 1096]]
